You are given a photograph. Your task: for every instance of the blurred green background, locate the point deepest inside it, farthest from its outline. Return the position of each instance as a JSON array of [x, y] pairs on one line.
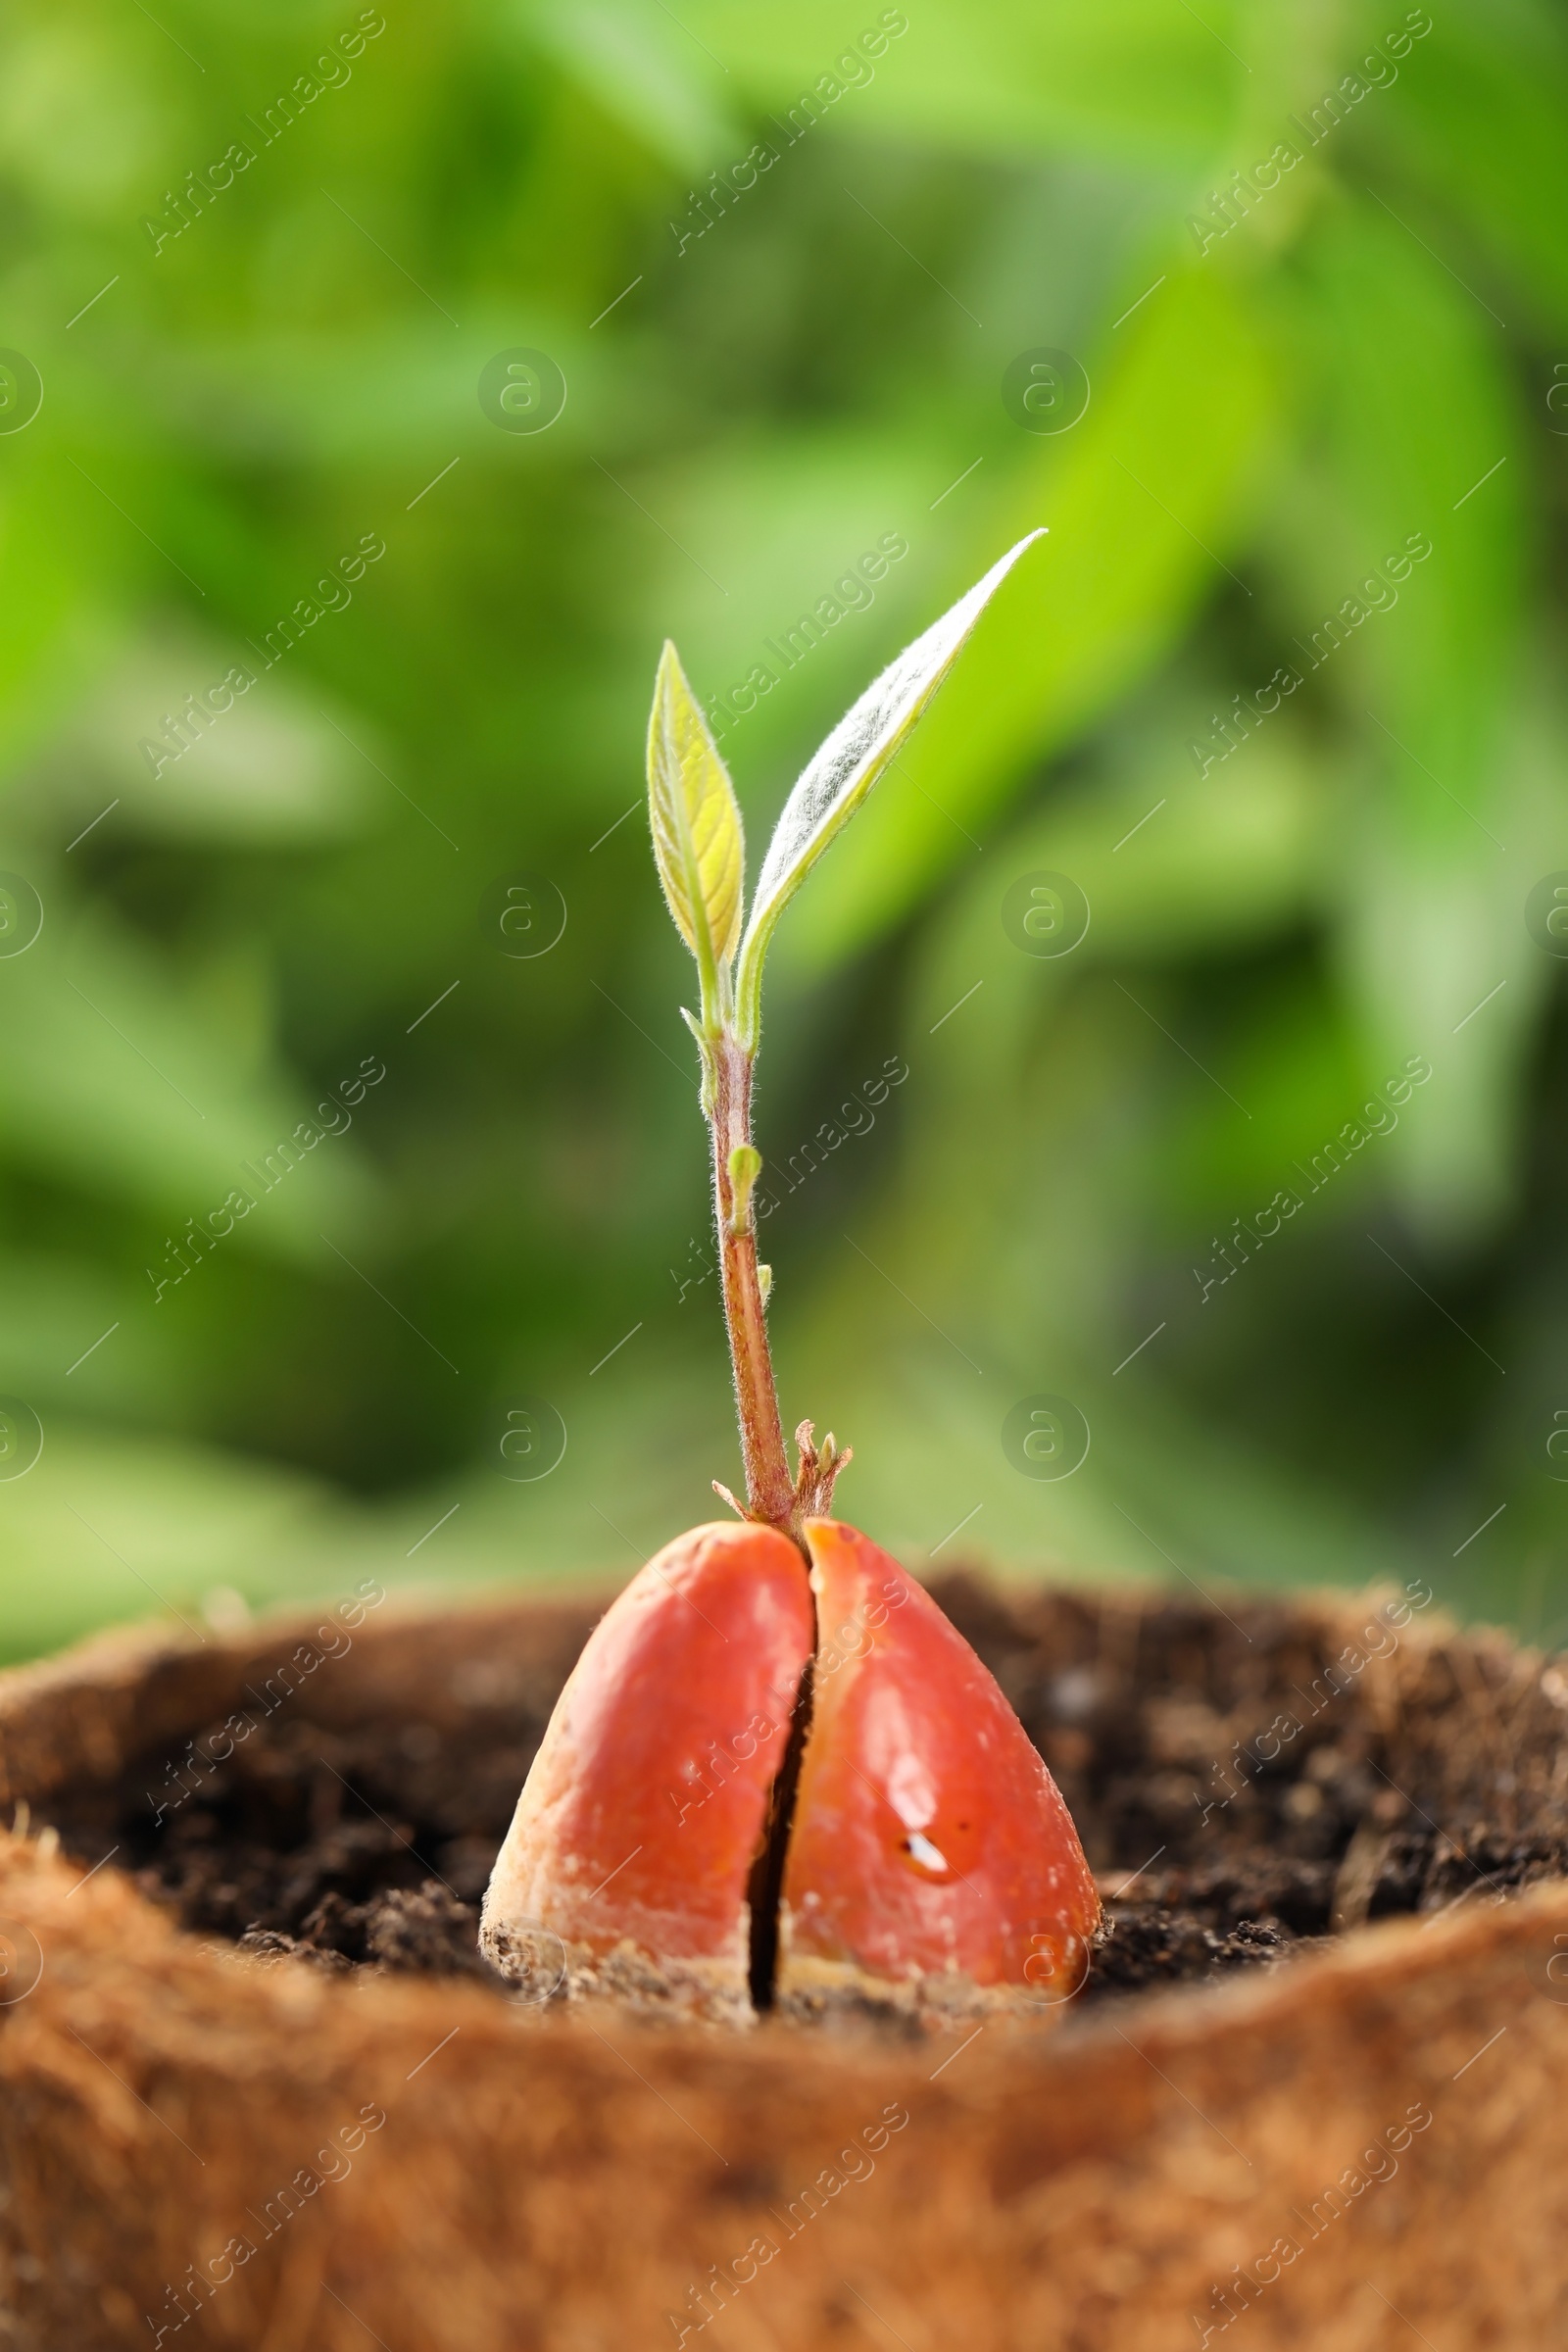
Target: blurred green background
[[1374, 351]]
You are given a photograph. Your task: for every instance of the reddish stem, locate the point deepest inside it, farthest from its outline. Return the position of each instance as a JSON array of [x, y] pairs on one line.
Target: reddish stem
[[769, 1489]]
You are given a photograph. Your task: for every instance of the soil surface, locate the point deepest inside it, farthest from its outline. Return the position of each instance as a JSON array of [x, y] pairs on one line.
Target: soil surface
[[1243, 1787]]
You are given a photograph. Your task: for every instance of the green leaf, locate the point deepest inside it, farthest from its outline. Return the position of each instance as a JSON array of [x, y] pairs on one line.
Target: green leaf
[[698, 842], [278, 770], [837, 780], [1162, 469]]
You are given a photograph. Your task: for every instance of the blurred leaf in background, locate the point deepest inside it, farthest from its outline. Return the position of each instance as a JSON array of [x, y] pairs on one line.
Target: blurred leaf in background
[[405, 381]]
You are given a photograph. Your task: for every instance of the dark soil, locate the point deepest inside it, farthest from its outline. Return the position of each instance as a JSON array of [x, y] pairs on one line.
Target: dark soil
[[1243, 1789]]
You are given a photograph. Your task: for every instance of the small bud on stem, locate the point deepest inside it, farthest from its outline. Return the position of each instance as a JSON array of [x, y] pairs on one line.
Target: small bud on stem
[[744, 1167]]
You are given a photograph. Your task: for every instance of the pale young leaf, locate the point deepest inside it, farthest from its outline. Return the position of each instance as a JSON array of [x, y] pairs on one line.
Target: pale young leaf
[[843, 773], [698, 842]]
